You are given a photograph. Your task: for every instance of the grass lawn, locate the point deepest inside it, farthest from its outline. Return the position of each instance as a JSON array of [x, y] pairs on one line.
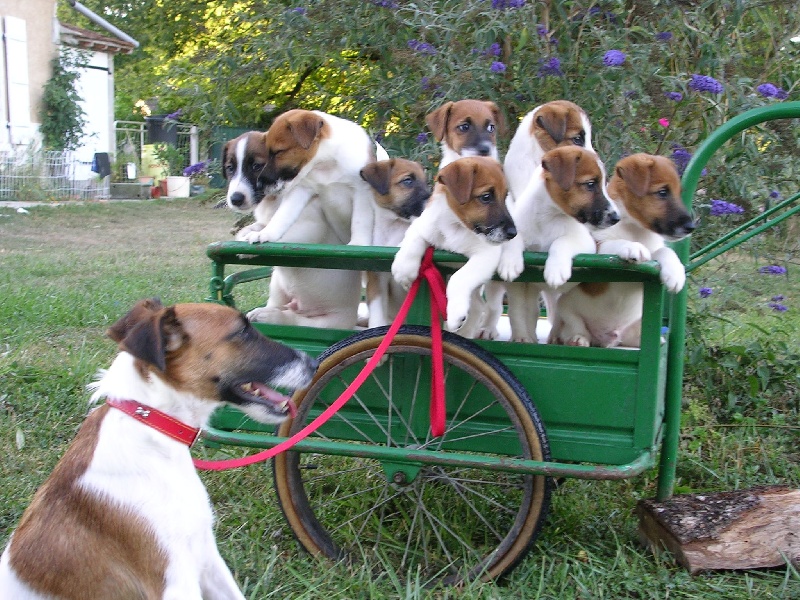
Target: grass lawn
[[67, 272]]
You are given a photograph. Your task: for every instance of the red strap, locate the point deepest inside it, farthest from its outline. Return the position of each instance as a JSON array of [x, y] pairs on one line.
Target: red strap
[[439, 299], [156, 419]]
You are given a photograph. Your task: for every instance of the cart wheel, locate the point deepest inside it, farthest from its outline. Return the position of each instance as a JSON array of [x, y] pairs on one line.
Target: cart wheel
[[445, 524]]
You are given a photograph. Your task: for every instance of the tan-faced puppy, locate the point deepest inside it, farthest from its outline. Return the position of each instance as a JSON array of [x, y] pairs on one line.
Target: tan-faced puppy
[[311, 154], [124, 514], [566, 193], [466, 214], [647, 189], [400, 190], [325, 298], [466, 128], [556, 124]]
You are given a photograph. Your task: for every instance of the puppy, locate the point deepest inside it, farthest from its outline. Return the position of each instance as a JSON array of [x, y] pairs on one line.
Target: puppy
[[400, 191], [124, 514], [552, 125], [466, 214], [465, 128], [648, 192], [312, 154], [297, 296], [565, 194]]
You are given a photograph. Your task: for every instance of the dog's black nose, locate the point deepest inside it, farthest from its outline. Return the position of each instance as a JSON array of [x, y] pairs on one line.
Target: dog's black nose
[[237, 198], [613, 217], [485, 149], [510, 231]]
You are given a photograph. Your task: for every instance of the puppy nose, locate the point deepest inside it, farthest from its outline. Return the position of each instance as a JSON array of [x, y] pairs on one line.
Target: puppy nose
[[510, 231], [689, 227], [613, 217], [485, 149], [237, 198]]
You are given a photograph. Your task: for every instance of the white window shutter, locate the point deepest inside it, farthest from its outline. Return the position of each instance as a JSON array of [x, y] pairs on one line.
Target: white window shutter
[[19, 98], [5, 139]]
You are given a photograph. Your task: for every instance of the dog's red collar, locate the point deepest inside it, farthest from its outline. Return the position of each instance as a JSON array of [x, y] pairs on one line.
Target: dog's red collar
[[156, 419]]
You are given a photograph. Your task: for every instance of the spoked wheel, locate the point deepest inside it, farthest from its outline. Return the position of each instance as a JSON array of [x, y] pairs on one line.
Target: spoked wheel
[[443, 523]]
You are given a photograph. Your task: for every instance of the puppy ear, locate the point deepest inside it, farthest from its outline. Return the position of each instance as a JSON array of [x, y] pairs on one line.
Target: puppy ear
[[562, 167], [379, 175], [498, 116], [437, 120], [152, 337], [458, 178], [225, 159], [305, 129], [554, 122], [636, 174], [141, 311]]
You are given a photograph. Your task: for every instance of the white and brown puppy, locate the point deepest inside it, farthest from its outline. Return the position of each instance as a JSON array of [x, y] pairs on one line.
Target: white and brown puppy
[[555, 124], [311, 154], [400, 190], [466, 128], [124, 514], [466, 214], [647, 189], [297, 296], [566, 193]]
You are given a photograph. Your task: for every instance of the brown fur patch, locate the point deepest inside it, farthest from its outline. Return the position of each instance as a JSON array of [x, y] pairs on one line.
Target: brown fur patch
[[573, 179], [558, 123], [108, 552], [476, 190], [293, 139], [397, 183], [255, 158], [594, 288], [445, 121]]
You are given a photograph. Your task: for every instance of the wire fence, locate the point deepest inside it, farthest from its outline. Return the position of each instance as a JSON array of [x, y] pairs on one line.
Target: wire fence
[[41, 176]]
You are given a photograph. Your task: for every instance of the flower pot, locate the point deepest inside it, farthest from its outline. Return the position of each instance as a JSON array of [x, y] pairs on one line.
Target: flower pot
[[178, 186]]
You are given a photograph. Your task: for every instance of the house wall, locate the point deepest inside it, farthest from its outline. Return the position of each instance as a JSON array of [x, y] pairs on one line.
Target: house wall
[[40, 33], [96, 87]]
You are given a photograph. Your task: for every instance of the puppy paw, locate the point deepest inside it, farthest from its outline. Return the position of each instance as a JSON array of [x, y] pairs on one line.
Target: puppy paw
[[524, 339], [578, 340], [262, 315], [243, 234], [635, 252], [457, 309], [510, 267], [673, 278], [487, 334], [557, 272], [405, 272]]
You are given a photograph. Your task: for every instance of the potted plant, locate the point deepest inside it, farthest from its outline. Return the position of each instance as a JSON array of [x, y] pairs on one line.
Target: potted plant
[[198, 173], [172, 160]]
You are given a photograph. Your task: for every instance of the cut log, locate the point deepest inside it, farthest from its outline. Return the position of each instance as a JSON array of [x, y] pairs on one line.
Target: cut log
[[745, 529]]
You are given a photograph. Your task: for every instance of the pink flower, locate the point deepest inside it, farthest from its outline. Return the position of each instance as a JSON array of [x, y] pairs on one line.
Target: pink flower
[[663, 122]]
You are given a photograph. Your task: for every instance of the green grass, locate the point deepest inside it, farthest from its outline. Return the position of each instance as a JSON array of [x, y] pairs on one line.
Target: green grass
[[67, 272]]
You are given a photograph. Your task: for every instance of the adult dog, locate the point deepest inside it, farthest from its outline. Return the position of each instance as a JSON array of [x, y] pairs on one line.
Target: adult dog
[[648, 192], [465, 128], [566, 193], [124, 515], [400, 190], [297, 296], [310, 154], [466, 214]]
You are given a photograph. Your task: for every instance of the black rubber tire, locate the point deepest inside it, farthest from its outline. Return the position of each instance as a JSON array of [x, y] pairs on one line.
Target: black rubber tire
[[448, 524]]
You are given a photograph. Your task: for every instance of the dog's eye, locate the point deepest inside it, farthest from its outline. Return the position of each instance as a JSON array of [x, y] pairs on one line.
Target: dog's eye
[[229, 169], [663, 193], [580, 139], [407, 181], [590, 185], [258, 167], [486, 197], [463, 127], [490, 128]]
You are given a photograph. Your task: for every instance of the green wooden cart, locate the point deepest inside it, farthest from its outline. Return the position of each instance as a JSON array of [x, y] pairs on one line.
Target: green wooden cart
[[373, 484]]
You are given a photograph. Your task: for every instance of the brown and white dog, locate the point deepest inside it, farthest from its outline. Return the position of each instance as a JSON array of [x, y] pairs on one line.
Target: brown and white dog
[[466, 214], [400, 190], [465, 128], [555, 124], [297, 296], [311, 154], [566, 193], [124, 514], [647, 189]]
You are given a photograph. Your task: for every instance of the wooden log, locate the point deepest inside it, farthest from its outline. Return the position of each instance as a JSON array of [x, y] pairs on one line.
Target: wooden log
[[744, 529]]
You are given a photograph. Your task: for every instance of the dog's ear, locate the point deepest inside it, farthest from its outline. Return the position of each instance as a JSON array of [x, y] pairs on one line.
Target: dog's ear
[[379, 175], [635, 172], [458, 177], [225, 150], [562, 167], [153, 336], [305, 128], [553, 121], [142, 310], [499, 120], [437, 120]]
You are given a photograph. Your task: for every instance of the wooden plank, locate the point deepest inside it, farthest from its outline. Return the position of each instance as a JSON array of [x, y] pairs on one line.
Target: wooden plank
[[744, 529]]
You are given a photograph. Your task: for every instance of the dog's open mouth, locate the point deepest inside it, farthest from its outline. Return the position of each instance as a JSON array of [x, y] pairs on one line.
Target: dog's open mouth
[[258, 393]]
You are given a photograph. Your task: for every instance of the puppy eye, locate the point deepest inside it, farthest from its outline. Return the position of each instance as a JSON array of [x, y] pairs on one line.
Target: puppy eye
[[490, 128], [407, 181], [590, 185], [258, 166], [579, 140], [486, 198], [230, 169], [463, 127], [663, 193]]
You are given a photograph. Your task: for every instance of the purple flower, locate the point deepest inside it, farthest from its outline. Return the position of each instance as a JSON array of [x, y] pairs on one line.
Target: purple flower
[[705, 292], [422, 137], [769, 90], [550, 66], [720, 207], [174, 116], [385, 3], [704, 83], [681, 157], [504, 4], [777, 298], [299, 10], [498, 67], [775, 195], [664, 36], [773, 270], [674, 96], [542, 30], [195, 169], [614, 58], [778, 307], [494, 49], [421, 47]]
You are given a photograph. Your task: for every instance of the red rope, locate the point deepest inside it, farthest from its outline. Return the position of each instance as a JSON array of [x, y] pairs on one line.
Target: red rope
[[437, 409]]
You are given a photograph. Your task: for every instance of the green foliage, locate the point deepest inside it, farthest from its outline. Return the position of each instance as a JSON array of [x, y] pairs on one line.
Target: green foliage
[[171, 157], [62, 117]]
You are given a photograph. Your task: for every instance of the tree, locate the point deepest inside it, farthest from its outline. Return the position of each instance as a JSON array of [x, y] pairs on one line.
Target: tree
[[62, 117]]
